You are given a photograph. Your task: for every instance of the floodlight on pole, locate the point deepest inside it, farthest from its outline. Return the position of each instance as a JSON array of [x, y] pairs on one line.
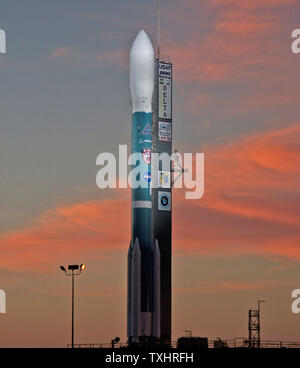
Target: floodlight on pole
[[73, 270]]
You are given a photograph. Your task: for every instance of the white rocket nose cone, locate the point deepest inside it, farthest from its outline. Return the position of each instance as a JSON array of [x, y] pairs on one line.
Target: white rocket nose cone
[[142, 68], [142, 43]]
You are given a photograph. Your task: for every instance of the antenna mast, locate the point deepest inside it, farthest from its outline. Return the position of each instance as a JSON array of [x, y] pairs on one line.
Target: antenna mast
[[158, 29]]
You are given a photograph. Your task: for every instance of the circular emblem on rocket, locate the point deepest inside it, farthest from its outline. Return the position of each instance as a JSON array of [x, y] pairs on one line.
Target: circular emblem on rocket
[[164, 200]]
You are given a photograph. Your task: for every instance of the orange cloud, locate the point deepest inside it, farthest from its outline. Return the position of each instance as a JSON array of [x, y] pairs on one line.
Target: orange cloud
[[117, 57], [60, 52], [79, 231], [249, 207], [250, 202], [239, 43], [211, 287], [251, 176], [253, 4], [245, 24], [193, 63]]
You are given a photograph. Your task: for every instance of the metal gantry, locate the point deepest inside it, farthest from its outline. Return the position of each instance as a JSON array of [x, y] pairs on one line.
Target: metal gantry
[[254, 326]]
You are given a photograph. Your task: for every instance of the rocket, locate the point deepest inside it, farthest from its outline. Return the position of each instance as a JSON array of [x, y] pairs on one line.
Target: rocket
[[143, 309]]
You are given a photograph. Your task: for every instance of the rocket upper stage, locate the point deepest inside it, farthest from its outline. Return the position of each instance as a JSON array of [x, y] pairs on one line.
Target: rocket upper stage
[[142, 73]]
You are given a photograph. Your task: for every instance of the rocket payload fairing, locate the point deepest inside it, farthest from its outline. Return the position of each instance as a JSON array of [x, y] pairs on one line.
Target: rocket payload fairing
[[149, 255], [143, 255]]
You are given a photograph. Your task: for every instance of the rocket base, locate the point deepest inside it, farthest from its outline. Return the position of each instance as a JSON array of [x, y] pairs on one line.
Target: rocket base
[[143, 326]]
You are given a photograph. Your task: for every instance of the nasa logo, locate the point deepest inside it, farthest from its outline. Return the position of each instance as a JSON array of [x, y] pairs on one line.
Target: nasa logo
[[147, 176], [147, 155]]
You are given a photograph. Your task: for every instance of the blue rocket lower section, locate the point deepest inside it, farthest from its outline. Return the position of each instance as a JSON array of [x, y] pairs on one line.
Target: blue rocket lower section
[[141, 196], [141, 202], [144, 253]]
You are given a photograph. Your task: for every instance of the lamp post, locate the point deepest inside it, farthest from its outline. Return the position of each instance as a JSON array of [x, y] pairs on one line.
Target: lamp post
[[73, 270]]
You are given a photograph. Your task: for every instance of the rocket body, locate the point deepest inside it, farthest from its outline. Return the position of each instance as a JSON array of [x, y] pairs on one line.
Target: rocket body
[[142, 293]]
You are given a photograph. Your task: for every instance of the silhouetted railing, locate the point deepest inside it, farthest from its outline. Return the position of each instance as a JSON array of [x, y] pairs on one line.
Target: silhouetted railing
[[237, 342]]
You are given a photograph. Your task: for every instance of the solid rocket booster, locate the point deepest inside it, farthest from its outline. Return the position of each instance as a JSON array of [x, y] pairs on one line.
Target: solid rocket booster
[[143, 315]]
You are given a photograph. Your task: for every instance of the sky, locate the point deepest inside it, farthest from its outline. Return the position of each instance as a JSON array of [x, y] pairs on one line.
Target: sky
[[64, 99]]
